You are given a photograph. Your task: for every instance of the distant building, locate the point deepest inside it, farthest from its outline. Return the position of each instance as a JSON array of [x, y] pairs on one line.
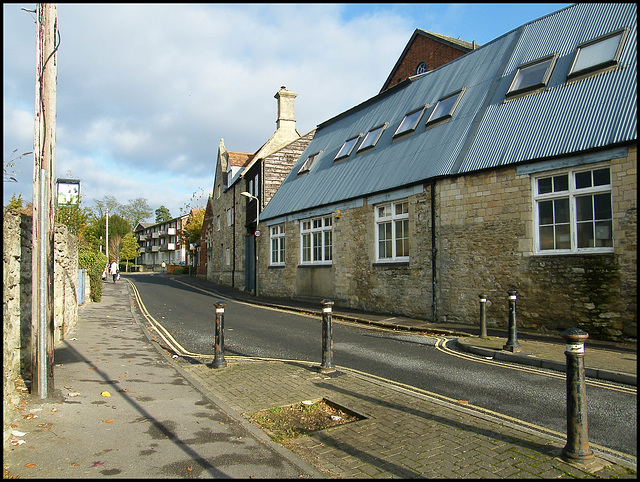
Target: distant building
[[424, 52], [161, 242]]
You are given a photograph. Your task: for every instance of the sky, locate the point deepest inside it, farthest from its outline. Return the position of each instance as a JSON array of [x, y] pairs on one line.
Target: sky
[[145, 92]]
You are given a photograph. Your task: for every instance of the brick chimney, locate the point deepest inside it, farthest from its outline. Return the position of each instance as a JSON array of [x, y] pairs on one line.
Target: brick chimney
[[286, 119]]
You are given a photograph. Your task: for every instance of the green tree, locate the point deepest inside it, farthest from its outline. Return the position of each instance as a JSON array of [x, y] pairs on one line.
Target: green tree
[[74, 217], [135, 211], [192, 230], [162, 214], [102, 205], [130, 249], [15, 204]]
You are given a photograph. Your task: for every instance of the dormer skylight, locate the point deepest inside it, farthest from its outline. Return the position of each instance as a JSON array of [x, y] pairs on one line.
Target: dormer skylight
[[372, 137], [306, 165], [598, 54], [445, 107], [532, 76], [409, 123], [347, 148]]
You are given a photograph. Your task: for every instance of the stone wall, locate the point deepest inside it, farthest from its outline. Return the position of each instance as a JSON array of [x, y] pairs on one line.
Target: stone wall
[[17, 246]]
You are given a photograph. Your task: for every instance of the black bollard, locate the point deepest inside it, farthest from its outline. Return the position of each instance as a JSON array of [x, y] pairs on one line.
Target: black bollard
[[577, 448], [327, 338], [218, 359], [483, 316], [512, 344]]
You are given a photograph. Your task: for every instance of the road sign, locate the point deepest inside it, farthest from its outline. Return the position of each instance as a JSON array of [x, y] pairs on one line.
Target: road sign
[[257, 233]]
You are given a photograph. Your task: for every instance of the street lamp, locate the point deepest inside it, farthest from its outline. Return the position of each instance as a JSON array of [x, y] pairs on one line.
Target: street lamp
[[251, 196]]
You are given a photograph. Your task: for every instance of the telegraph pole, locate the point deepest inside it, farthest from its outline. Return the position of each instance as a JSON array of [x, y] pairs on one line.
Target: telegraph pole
[[44, 148]]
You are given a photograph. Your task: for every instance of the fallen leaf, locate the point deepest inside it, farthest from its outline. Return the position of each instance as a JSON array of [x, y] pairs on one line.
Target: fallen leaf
[[17, 442], [75, 465], [31, 416], [105, 394], [95, 464], [30, 466], [108, 421], [73, 394], [189, 469], [463, 402], [17, 433], [92, 368]]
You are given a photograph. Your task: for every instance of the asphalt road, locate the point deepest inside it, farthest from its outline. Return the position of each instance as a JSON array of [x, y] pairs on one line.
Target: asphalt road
[[534, 396]]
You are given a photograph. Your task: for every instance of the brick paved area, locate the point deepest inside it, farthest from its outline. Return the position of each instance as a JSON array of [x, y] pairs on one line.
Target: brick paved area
[[405, 434]]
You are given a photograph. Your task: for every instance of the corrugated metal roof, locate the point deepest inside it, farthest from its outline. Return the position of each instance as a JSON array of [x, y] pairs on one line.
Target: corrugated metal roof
[[485, 131]]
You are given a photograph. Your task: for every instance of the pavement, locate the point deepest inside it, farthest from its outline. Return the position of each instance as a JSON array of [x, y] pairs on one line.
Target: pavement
[[123, 407]]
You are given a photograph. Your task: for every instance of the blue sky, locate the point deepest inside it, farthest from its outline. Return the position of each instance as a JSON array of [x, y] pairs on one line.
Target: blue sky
[[146, 91]]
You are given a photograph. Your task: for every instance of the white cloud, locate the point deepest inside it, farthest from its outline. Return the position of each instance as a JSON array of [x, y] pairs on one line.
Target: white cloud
[[146, 91]]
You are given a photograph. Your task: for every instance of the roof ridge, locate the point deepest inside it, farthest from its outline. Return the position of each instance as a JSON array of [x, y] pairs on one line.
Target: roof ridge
[[462, 43]]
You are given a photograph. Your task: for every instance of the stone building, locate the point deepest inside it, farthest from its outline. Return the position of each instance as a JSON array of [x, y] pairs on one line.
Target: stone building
[[511, 167], [230, 218]]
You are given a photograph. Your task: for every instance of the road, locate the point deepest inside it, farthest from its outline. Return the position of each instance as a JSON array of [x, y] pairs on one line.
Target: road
[[531, 396]]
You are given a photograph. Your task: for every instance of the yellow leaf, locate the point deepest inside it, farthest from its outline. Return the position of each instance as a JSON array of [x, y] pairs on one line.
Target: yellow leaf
[[108, 421], [30, 466], [105, 394]]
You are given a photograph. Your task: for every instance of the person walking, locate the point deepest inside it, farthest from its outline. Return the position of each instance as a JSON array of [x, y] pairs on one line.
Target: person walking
[[114, 270]]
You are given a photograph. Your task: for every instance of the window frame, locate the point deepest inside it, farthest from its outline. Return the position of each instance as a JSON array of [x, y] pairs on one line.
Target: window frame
[[393, 218], [308, 163], [277, 234], [409, 130], [592, 68], [319, 233], [552, 59], [340, 156], [364, 145], [445, 116], [572, 193]]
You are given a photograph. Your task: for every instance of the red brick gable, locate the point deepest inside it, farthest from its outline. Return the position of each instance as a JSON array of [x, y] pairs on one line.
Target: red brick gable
[[433, 49]]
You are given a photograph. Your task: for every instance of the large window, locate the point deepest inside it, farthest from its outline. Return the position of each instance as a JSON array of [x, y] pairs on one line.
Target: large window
[[277, 245], [573, 211], [532, 76], [392, 231], [316, 239], [598, 54]]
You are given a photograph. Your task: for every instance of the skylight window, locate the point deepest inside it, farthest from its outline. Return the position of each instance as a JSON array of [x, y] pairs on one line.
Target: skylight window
[[372, 137], [532, 76], [306, 165], [409, 123], [445, 107], [598, 54], [347, 148]]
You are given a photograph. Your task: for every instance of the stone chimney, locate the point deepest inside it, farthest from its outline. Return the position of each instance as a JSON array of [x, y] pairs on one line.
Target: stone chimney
[[286, 119]]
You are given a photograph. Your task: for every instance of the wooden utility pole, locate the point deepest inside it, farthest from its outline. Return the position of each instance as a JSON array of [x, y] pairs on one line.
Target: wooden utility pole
[[44, 148]]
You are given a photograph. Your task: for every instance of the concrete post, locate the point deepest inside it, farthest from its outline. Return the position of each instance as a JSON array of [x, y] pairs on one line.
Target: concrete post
[[512, 344], [218, 359], [577, 447], [483, 316], [327, 338]]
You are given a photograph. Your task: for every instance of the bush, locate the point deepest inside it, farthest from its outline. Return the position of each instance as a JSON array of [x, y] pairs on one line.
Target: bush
[[94, 263], [179, 271]]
